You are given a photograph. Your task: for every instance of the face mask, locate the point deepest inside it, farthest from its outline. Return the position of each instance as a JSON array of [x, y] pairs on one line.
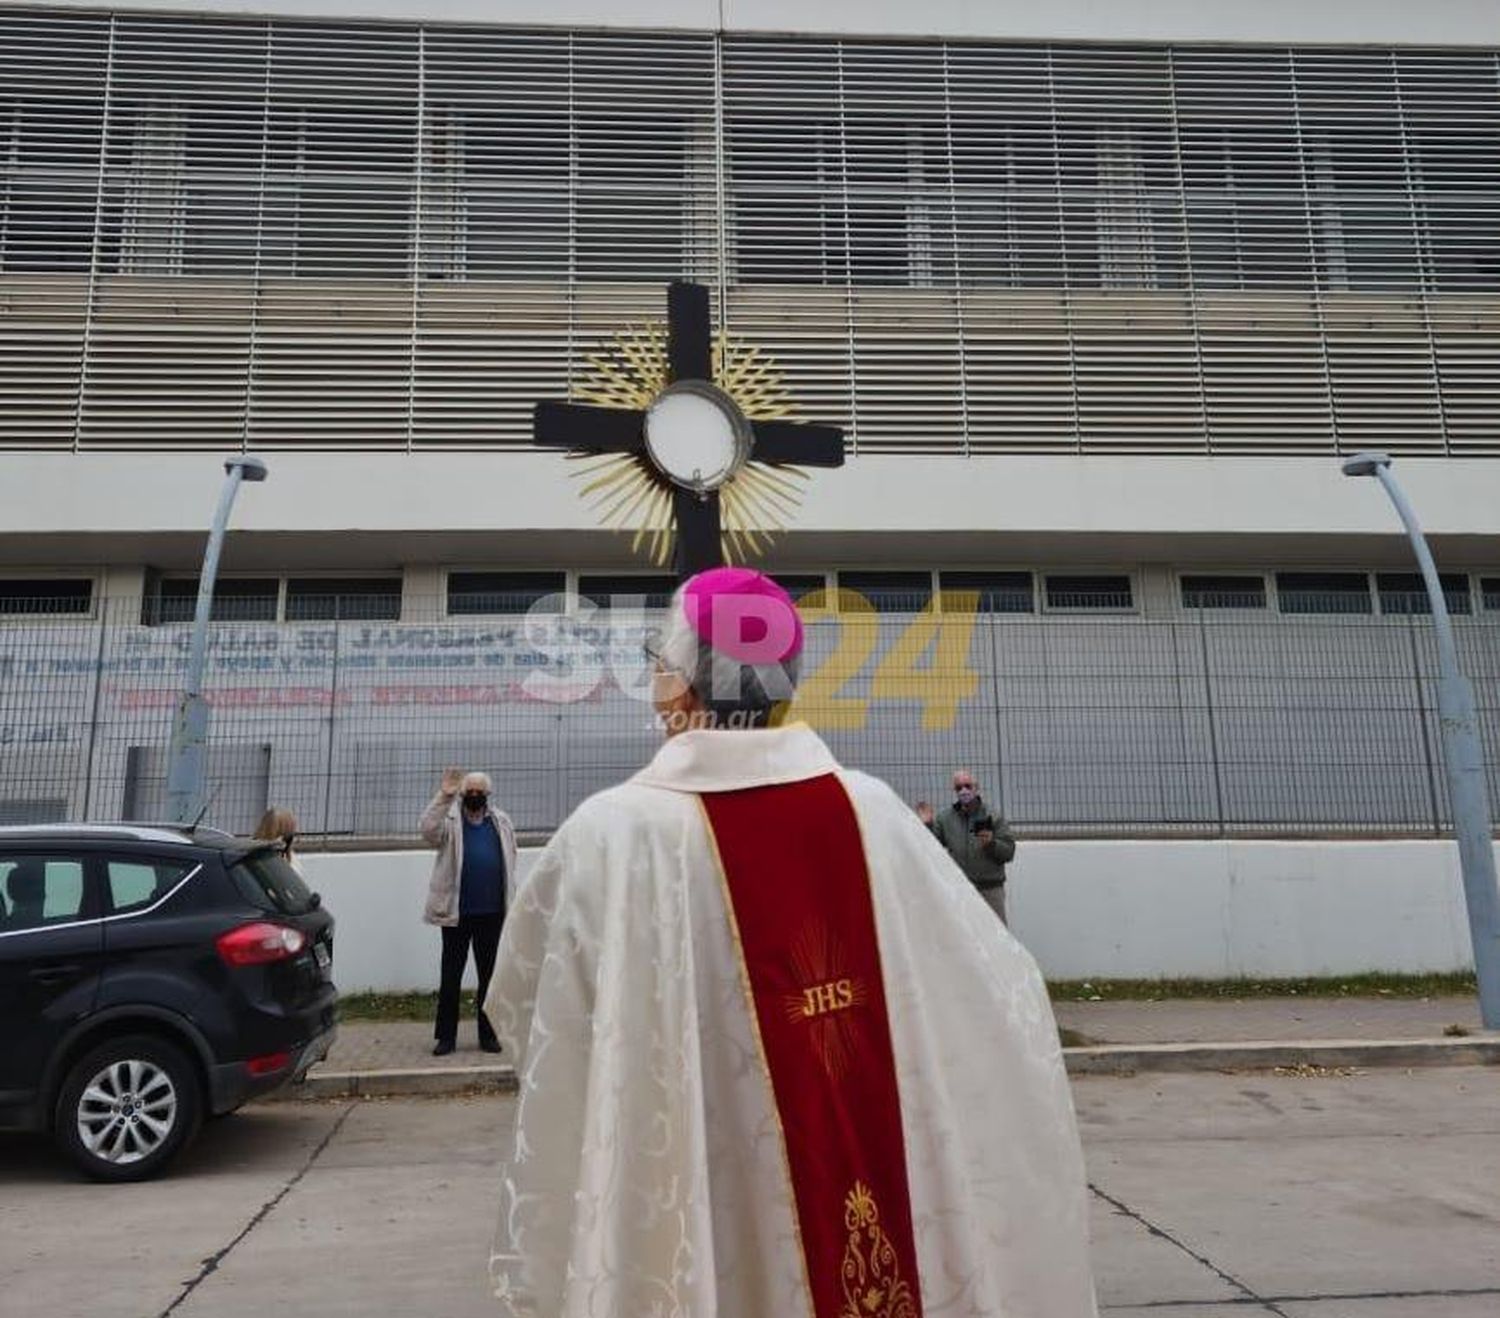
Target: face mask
[[475, 800], [965, 795]]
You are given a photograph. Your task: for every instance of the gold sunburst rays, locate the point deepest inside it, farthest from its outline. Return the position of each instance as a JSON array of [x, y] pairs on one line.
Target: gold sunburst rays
[[628, 493]]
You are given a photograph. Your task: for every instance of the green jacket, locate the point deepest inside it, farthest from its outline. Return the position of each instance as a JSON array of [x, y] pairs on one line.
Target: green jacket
[[985, 865]]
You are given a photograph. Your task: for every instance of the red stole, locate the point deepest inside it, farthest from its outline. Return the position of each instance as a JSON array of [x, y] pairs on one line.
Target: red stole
[[798, 892]]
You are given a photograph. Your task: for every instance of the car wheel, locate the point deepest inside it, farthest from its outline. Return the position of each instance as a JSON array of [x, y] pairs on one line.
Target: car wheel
[[127, 1108]]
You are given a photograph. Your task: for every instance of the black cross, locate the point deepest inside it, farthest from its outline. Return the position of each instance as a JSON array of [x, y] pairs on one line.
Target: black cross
[[585, 428]]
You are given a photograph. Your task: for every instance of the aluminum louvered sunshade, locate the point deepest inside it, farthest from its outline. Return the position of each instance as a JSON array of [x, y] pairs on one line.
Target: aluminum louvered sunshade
[[287, 233]]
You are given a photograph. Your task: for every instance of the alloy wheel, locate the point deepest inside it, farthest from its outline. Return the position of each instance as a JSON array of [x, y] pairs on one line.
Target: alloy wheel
[[126, 1111]]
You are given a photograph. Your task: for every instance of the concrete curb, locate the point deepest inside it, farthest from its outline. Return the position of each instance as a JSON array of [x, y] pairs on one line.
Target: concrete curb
[[401, 1082], [1102, 1059], [1321, 1054]]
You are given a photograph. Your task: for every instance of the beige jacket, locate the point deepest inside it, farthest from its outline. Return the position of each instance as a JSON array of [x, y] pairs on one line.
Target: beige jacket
[[441, 828]]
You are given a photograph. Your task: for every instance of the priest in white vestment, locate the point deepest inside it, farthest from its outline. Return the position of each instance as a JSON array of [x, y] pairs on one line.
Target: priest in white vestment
[[777, 1058]]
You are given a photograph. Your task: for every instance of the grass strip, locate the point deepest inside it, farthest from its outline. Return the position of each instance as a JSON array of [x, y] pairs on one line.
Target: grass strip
[[1372, 984]]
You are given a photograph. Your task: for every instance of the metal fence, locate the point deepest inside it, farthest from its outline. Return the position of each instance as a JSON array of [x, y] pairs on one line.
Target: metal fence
[[1203, 724]]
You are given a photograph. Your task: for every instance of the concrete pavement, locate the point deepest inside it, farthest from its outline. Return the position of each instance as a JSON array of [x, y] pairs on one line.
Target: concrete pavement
[[1326, 1196]]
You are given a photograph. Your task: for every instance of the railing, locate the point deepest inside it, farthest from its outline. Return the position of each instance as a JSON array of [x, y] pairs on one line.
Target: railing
[[1198, 725]]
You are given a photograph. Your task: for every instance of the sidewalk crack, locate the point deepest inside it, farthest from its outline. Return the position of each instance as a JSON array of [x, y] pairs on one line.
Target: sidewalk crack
[[211, 1263], [1248, 1296]]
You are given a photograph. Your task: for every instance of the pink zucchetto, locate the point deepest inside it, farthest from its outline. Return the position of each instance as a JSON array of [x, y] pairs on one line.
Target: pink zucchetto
[[741, 614]]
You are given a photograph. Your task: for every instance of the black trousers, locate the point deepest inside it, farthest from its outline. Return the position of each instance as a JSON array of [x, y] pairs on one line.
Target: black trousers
[[483, 931]]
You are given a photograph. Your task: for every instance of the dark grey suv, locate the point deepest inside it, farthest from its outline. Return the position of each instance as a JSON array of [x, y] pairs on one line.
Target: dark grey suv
[[150, 977]]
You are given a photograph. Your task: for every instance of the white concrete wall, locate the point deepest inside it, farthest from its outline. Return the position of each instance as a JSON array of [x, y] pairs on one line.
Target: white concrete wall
[[376, 897], [1228, 909], [1439, 22], [1104, 910], [528, 492]]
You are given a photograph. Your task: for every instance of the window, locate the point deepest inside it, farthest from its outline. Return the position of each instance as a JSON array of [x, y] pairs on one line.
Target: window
[[1007, 205], [1116, 176], [1323, 592], [496, 154], [1242, 175], [49, 227], [1489, 589], [136, 884], [899, 212], [789, 225], [987, 592], [50, 131], [1247, 215], [220, 200], [626, 591], [474, 594], [329, 150], [340, 153], [236, 599], [204, 175], [36, 891], [886, 592], [258, 599], [358, 599], [1223, 592], [809, 586], [840, 164], [1362, 211], [182, 157], [144, 173], [1089, 591], [28, 595], [782, 110], [1406, 592], [266, 880], [1463, 239], [1451, 117], [634, 191]]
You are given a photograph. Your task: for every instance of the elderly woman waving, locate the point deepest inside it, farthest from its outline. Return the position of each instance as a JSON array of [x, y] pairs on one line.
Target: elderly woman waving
[[466, 899]]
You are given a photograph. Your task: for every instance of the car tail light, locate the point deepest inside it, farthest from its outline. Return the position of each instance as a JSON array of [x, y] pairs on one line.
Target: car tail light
[[260, 944], [269, 1064]]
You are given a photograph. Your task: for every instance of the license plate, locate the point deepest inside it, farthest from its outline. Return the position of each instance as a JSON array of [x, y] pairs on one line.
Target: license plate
[[322, 955]]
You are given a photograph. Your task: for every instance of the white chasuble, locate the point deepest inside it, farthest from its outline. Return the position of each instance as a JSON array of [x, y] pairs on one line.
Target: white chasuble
[[777, 1059]]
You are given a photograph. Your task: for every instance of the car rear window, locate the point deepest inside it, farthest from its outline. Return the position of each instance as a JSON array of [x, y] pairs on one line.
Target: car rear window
[[266, 880]]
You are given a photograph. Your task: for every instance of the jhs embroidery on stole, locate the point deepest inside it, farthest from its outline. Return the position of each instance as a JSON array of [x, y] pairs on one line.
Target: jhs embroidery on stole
[[826, 996]]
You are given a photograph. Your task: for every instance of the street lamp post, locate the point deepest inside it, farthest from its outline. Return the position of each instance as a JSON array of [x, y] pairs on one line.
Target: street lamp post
[[1463, 758], [185, 764]]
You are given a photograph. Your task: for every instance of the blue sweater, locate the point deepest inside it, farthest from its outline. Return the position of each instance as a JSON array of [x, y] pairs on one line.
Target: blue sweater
[[481, 884]]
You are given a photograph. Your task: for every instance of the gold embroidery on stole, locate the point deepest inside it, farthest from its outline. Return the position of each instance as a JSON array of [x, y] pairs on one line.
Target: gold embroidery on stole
[[871, 1274]]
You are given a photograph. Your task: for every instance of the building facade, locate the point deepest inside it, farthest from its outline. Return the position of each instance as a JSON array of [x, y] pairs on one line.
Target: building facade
[[1098, 297]]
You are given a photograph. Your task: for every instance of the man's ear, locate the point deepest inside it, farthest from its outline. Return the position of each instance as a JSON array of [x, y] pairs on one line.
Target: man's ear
[[685, 703]]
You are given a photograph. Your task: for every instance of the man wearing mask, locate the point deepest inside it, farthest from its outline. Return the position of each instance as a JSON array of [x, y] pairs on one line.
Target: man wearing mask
[[978, 840], [466, 898]]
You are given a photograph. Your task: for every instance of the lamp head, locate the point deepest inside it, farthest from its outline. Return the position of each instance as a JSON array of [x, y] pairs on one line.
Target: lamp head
[[1366, 464], [250, 469]]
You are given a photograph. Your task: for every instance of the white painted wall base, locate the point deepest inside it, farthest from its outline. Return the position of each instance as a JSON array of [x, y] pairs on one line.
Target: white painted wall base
[[1221, 910], [376, 897], [1088, 910]]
